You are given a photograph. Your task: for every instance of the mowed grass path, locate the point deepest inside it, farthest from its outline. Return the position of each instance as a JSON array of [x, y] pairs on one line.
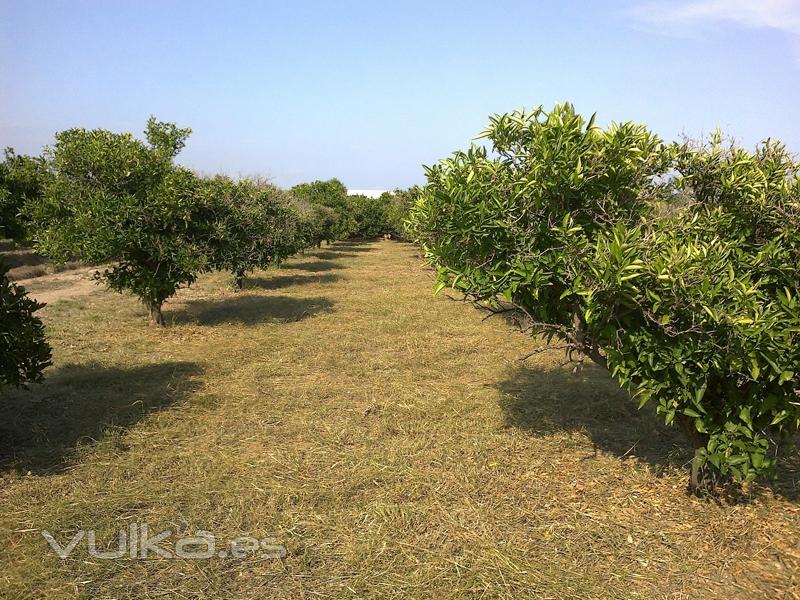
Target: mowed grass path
[[390, 439]]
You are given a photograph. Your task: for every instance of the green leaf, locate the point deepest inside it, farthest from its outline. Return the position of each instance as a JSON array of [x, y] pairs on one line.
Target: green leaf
[[744, 415], [755, 370]]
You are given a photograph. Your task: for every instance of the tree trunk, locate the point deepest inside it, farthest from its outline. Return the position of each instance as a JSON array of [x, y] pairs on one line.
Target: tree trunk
[[702, 479], [156, 316], [698, 482], [238, 279], [319, 243]]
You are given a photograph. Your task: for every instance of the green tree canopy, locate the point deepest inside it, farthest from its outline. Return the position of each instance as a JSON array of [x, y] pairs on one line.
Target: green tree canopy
[[21, 181], [369, 215], [333, 195], [112, 198], [24, 352], [398, 209], [254, 225], [676, 267]]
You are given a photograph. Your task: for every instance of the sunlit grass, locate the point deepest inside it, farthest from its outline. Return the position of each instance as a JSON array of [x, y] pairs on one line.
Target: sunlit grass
[[390, 439]]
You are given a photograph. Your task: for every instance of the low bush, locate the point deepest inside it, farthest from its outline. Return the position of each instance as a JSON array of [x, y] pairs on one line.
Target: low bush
[[21, 181], [675, 266], [335, 220], [24, 351], [111, 198], [252, 226]]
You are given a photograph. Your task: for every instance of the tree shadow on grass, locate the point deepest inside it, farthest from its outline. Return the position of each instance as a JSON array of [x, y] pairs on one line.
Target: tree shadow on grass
[[313, 266], [282, 281], [41, 428], [22, 257], [547, 401], [330, 255], [350, 247], [250, 310]]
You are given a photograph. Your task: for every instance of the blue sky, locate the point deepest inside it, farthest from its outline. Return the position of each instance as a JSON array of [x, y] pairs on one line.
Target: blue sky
[[369, 91]]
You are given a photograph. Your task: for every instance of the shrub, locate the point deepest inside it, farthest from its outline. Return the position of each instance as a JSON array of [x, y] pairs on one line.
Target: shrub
[[331, 194], [21, 182], [24, 352], [113, 198], [398, 209], [253, 226], [369, 216], [707, 325], [674, 266], [312, 222]]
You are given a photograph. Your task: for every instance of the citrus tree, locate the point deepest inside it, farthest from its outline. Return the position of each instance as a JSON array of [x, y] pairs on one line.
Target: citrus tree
[[398, 209], [698, 310], [332, 194], [369, 215], [24, 351], [112, 198], [253, 226], [673, 266], [21, 182], [313, 222]]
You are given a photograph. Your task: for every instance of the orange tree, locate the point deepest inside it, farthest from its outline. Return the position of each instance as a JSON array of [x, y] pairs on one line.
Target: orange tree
[[398, 209], [111, 198], [369, 215], [21, 182], [336, 223], [24, 352], [252, 226], [676, 267]]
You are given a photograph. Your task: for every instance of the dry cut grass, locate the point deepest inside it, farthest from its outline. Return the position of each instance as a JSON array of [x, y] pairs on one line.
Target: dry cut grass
[[388, 438]]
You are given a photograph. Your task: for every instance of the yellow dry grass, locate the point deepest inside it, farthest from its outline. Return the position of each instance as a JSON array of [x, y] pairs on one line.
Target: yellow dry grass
[[390, 439]]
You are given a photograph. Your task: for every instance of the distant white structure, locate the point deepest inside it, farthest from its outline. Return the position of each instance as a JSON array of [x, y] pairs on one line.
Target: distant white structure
[[367, 193]]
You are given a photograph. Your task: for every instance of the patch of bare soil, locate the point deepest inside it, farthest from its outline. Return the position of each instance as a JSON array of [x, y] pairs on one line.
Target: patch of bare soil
[[60, 286]]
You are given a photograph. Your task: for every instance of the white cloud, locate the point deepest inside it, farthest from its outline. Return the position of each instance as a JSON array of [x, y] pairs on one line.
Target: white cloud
[[782, 15]]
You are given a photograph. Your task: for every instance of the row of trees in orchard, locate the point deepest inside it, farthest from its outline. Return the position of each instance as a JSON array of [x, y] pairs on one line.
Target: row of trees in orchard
[[358, 216], [111, 198], [675, 266]]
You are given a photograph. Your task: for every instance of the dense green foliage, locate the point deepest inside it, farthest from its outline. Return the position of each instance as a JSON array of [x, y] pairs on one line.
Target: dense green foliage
[[253, 225], [21, 181], [104, 197], [369, 216], [312, 221], [674, 266], [24, 352], [398, 208], [111, 198], [356, 216], [337, 223]]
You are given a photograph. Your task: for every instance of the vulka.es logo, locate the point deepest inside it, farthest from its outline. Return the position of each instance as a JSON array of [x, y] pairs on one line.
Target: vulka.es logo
[[138, 543]]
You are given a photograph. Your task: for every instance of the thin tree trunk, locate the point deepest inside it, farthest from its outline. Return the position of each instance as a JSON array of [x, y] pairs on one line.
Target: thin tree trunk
[[699, 483], [579, 340], [238, 279], [156, 316], [697, 479]]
